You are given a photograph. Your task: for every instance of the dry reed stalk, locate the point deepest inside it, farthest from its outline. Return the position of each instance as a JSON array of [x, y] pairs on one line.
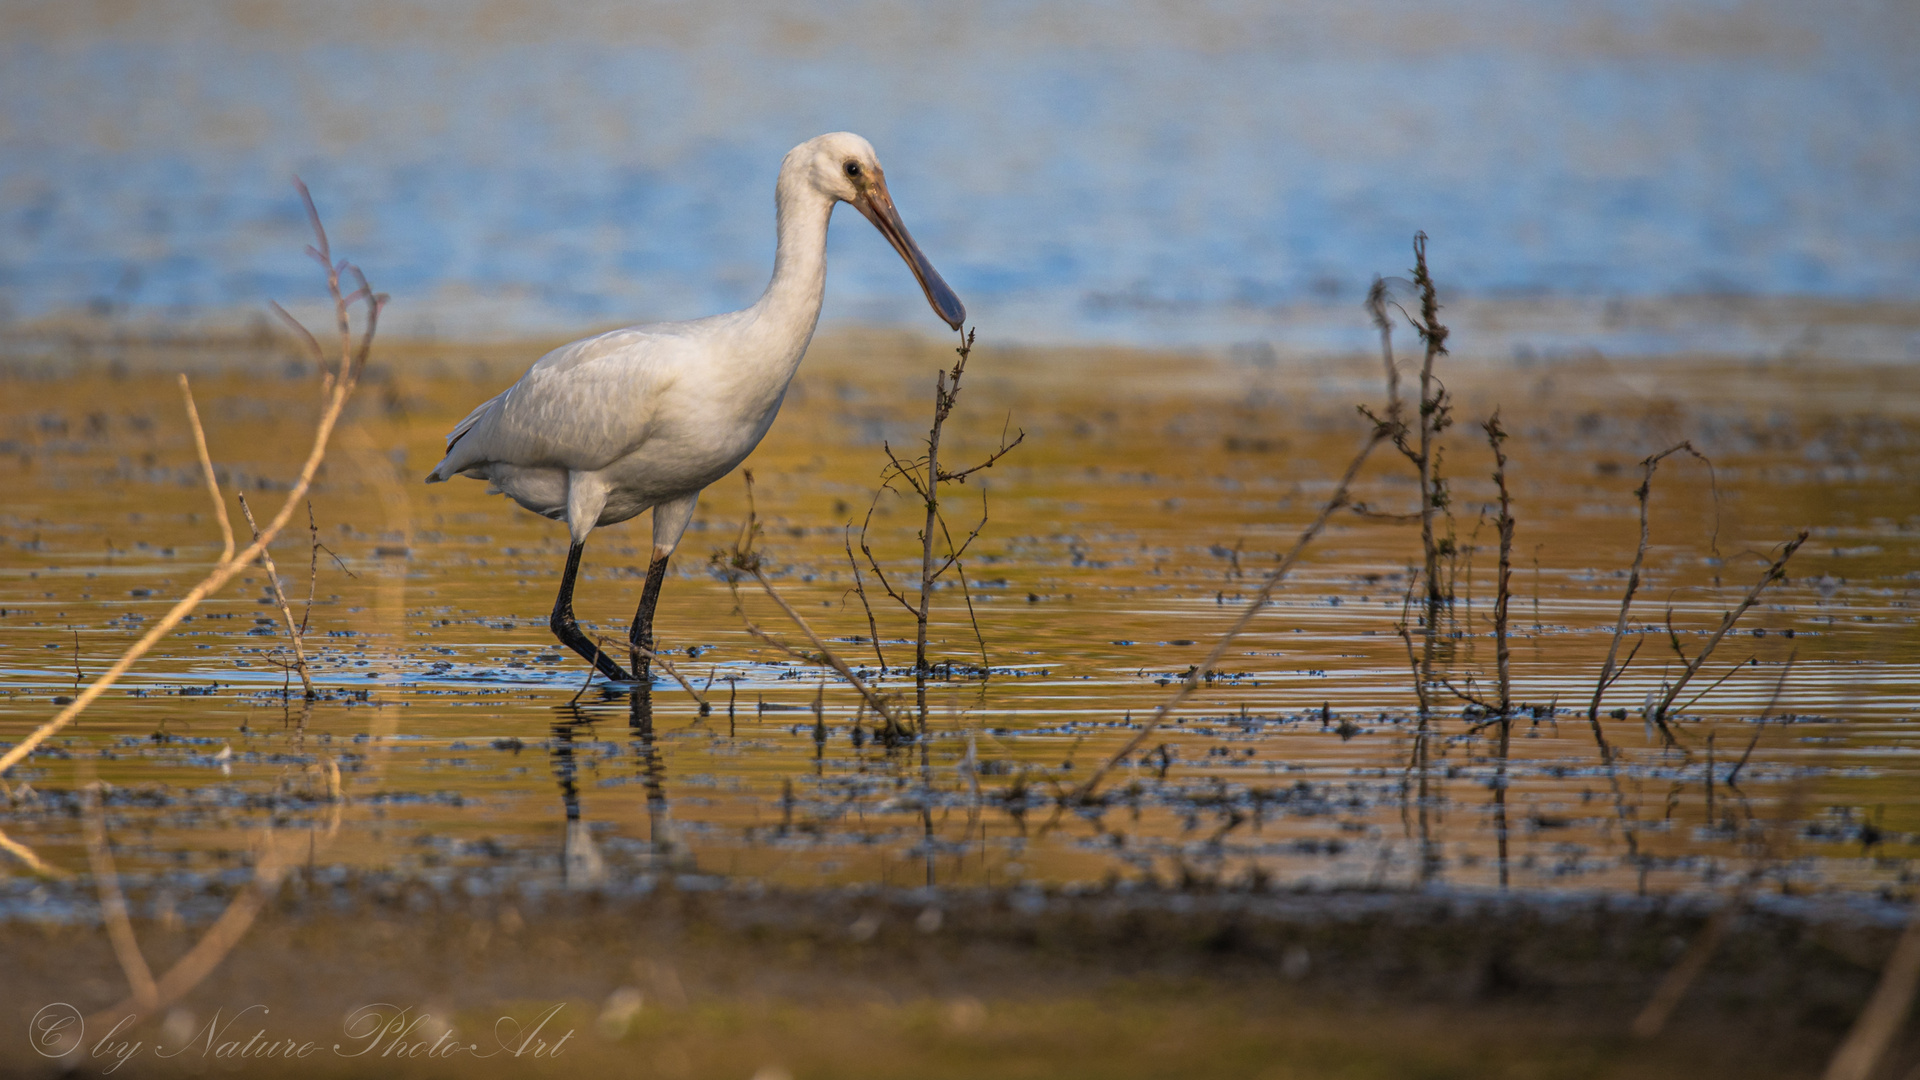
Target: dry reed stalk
[[232, 925], [313, 567], [280, 599], [113, 907], [206, 471], [927, 488], [860, 588], [944, 396], [1435, 417], [1776, 571], [1609, 674], [1496, 435], [743, 559], [966, 593], [339, 384], [27, 855], [1666, 997], [1886, 1010], [1260, 597], [833, 660]]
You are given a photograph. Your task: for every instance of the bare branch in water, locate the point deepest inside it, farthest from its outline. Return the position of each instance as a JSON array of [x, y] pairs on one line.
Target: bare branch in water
[[338, 389], [1260, 598], [280, 600], [206, 471], [1775, 572], [1609, 673]]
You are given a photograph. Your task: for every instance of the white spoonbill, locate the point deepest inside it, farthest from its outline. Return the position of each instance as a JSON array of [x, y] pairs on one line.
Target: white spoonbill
[[598, 431]]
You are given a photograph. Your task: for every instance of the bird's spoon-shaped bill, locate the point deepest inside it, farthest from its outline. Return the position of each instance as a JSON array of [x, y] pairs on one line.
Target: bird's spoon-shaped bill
[[878, 207]]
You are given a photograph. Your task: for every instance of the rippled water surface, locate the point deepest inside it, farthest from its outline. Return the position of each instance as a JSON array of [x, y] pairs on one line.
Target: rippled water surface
[[1150, 496], [1127, 171]]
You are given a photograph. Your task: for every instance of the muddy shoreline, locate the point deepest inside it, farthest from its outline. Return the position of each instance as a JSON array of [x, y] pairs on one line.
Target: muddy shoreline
[[1544, 978]]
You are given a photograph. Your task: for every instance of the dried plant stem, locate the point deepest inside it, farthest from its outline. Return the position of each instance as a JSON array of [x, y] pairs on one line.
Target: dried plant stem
[[1260, 597], [1715, 685], [339, 387], [1496, 435], [280, 599], [211, 949], [26, 855], [674, 672], [1433, 420], [113, 908], [1886, 1010], [1609, 673], [833, 660], [924, 476], [946, 389], [1653, 1018], [1774, 572], [860, 589], [1435, 416], [206, 471], [966, 593], [313, 567]]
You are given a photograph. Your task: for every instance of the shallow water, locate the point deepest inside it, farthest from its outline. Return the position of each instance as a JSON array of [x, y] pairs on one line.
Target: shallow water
[[1151, 494], [1130, 172]]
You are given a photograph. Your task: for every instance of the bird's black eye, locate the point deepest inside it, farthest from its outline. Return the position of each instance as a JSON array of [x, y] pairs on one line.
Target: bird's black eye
[[853, 169]]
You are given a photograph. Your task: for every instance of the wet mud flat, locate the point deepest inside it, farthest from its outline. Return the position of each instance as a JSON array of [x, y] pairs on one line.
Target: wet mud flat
[[693, 977]]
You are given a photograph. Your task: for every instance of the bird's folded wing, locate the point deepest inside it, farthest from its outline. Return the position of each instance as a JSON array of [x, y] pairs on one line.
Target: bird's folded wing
[[580, 407]]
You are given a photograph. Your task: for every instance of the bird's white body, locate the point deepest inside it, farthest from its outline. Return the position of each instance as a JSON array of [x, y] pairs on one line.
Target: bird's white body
[[608, 427]]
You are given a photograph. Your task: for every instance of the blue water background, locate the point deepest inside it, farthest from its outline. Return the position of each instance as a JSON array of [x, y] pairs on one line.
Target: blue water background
[[1156, 173]]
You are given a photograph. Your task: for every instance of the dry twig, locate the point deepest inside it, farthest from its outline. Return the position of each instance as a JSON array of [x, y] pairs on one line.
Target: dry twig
[[280, 599], [744, 560], [206, 470], [1609, 673], [113, 907], [27, 855], [1774, 572], [1260, 597], [340, 384], [1886, 1010]]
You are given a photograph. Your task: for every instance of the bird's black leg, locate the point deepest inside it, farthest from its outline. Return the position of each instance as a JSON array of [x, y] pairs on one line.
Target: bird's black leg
[[641, 636], [568, 631]]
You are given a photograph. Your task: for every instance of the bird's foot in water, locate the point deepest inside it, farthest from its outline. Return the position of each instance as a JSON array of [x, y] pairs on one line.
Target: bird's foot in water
[[569, 634]]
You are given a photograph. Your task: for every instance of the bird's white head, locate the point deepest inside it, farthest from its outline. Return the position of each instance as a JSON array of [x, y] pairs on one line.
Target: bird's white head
[[841, 166]]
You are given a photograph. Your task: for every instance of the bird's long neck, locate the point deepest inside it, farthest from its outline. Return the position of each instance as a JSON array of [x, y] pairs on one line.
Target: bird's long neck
[[790, 308]]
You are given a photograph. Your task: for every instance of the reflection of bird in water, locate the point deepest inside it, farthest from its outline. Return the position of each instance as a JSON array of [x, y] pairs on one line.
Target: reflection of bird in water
[[640, 419], [665, 848], [582, 865]]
